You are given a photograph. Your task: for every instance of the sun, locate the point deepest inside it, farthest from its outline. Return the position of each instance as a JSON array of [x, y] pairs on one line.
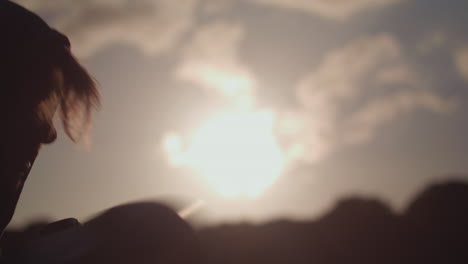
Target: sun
[[235, 152]]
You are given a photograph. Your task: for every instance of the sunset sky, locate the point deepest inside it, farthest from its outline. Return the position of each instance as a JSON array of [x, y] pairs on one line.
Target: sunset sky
[[262, 109]]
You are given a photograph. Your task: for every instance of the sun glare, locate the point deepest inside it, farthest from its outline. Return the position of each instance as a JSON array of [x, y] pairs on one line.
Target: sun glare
[[235, 152]]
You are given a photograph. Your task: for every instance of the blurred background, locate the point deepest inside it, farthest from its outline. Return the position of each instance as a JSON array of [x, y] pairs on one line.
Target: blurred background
[[253, 110]]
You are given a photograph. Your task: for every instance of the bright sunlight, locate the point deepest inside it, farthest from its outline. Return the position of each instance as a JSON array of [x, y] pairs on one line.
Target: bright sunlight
[[235, 152]]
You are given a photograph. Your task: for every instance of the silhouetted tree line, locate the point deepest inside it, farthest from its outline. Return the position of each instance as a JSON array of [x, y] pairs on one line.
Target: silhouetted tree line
[[432, 229]]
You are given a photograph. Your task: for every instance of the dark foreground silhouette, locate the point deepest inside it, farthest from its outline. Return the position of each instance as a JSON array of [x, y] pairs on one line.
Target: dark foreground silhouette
[[433, 229], [143, 232]]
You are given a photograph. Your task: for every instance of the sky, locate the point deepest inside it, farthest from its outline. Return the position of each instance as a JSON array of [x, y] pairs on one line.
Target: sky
[[258, 109]]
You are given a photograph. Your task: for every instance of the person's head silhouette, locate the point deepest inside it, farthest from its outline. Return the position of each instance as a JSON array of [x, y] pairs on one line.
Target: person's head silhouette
[[38, 77]]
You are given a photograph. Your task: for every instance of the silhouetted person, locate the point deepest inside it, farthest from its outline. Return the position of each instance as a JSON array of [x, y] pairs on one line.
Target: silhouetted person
[[38, 77]]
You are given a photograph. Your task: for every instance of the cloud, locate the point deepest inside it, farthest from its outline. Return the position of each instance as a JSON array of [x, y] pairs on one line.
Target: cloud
[[432, 40], [152, 25], [346, 99], [305, 135], [338, 10], [363, 124], [341, 71], [461, 62], [49, 5], [211, 7], [211, 61]]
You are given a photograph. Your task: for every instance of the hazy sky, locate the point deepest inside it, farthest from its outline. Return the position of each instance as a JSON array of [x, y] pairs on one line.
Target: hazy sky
[[361, 97]]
